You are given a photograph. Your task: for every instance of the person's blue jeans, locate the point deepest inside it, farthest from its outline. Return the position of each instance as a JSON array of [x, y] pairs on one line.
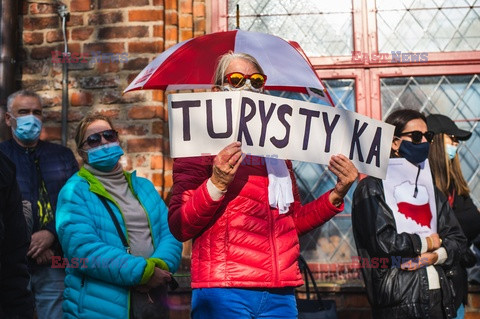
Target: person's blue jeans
[[221, 303], [460, 312], [47, 285]]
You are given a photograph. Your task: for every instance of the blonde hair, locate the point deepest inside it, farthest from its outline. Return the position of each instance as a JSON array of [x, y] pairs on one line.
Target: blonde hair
[[224, 62], [85, 123]]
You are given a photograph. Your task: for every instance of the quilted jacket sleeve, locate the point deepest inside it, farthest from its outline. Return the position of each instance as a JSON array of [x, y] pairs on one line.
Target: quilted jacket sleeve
[[191, 208], [84, 239], [167, 248]]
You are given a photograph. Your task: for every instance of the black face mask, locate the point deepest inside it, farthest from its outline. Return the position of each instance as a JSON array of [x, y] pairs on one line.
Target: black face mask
[[414, 153]]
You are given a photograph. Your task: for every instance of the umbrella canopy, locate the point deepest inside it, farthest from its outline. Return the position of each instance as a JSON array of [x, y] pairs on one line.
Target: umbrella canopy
[[191, 64]]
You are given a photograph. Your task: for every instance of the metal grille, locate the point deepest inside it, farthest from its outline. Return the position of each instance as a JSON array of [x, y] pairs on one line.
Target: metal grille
[[322, 28], [428, 25], [455, 96]]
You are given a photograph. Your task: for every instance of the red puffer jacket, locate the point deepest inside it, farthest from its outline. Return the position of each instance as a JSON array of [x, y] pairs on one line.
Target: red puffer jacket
[[239, 240]]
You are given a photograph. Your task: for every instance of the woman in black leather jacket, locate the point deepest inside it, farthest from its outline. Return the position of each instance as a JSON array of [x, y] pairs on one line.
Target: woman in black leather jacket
[[405, 267]]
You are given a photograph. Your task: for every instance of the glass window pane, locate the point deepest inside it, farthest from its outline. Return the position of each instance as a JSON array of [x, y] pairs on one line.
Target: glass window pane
[[332, 242], [322, 28], [457, 96], [428, 25]]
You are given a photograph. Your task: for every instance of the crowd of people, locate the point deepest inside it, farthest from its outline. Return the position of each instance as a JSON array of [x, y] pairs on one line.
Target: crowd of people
[[244, 219]]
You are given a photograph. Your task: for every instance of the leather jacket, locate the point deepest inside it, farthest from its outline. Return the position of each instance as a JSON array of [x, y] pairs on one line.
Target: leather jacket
[[393, 292]]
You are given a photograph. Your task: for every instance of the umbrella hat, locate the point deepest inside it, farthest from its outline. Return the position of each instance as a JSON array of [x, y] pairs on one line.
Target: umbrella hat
[[191, 64]]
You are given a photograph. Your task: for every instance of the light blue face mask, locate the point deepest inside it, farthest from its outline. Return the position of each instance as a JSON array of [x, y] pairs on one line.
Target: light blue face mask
[[246, 87], [105, 157], [28, 128], [451, 150]]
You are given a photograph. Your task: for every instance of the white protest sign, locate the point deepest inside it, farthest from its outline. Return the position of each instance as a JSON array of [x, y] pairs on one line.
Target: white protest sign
[[204, 123], [410, 194]]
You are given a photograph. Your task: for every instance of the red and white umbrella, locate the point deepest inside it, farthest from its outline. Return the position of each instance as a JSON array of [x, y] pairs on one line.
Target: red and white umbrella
[[191, 64]]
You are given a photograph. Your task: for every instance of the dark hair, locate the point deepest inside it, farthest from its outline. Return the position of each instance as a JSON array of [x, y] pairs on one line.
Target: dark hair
[[399, 119]]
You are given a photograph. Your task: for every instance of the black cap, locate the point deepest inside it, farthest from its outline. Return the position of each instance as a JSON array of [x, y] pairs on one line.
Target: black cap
[[439, 123]]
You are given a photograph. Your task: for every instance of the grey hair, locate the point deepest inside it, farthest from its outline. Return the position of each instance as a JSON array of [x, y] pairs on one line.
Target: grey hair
[[26, 93], [225, 60]]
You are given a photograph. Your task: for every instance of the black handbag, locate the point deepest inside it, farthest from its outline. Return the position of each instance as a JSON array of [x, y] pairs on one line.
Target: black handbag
[[311, 308], [144, 305]]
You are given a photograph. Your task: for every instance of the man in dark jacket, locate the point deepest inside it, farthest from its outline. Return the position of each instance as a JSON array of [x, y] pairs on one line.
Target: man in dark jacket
[[15, 298], [42, 170]]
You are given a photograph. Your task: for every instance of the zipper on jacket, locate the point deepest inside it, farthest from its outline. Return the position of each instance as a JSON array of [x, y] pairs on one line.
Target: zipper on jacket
[[82, 295], [273, 243]]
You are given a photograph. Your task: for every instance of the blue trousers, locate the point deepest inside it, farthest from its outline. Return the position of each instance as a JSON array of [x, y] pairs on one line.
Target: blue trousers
[[47, 286], [221, 303]]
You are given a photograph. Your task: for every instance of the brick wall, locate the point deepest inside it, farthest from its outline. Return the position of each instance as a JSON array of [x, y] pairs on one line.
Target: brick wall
[[139, 29]]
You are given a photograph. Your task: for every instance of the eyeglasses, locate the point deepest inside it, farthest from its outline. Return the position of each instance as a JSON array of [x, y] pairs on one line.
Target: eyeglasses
[[237, 79], [416, 136], [95, 139]]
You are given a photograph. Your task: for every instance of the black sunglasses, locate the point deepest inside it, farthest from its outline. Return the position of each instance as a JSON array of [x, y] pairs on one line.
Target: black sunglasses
[[416, 136], [95, 139]]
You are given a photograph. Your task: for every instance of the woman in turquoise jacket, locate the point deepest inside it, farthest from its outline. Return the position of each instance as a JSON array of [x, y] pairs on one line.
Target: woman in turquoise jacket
[[104, 276]]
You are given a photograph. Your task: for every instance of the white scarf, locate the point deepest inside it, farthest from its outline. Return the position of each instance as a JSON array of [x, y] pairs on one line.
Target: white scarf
[[280, 194]]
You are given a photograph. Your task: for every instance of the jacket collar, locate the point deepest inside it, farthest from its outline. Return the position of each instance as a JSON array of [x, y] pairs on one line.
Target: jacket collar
[[97, 187]]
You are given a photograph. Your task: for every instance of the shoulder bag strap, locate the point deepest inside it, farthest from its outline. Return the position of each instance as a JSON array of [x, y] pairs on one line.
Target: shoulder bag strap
[[308, 274], [115, 222]]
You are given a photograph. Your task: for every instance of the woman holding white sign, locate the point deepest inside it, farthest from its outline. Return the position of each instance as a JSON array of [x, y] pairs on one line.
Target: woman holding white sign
[[406, 222], [245, 219]]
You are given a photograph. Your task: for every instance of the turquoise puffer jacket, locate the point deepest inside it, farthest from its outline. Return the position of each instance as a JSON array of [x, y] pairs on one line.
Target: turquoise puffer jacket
[[99, 270]]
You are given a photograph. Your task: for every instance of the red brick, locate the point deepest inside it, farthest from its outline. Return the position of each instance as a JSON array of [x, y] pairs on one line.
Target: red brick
[[81, 98], [75, 20], [137, 145], [81, 5], [158, 127], [42, 8], [131, 130], [55, 36], [171, 4], [123, 32], [111, 113], [105, 4], [42, 52], [158, 95], [51, 133], [145, 15], [199, 27], [185, 35], [145, 47], [81, 34], [158, 31], [158, 2], [37, 23], [186, 6], [110, 47], [136, 64], [185, 21], [32, 38], [107, 67], [142, 112], [171, 34], [160, 161], [105, 18], [199, 9], [171, 18]]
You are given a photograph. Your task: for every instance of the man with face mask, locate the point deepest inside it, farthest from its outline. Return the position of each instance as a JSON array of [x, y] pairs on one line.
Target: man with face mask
[[42, 168]]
